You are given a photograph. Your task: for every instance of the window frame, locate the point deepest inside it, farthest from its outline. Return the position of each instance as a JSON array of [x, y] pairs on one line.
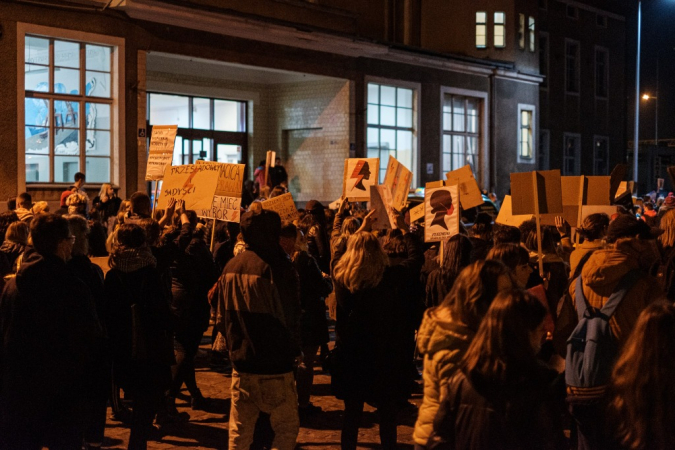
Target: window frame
[[600, 20], [485, 28], [577, 154], [599, 49], [532, 34], [544, 149], [533, 132], [597, 138], [416, 88], [521, 31], [543, 5], [116, 102], [575, 12], [496, 26], [577, 67]]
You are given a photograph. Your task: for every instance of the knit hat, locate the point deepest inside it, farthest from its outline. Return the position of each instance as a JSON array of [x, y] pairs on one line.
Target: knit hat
[[628, 226]]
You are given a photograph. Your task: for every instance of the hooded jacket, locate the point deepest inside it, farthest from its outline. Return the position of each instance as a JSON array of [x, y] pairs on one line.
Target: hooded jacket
[[443, 342]]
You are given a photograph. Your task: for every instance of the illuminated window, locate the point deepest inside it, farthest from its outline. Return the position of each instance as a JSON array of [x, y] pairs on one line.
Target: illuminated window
[[530, 27], [481, 29], [500, 30], [461, 132], [521, 31], [526, 133]]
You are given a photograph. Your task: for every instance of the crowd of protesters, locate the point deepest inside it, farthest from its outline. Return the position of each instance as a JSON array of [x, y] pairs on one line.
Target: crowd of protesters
[[106, 297]]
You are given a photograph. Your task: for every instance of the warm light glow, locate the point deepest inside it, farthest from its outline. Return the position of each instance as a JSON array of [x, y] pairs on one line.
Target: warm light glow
[[645, 97]]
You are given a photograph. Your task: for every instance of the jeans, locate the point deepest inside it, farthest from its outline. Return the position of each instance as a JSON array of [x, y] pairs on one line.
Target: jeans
[[271, 394]]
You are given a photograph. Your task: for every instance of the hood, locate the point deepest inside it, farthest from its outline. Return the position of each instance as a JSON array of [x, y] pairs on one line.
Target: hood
[[607, 267], [438, 332], [12, 247], [23, 213], [34, 266]]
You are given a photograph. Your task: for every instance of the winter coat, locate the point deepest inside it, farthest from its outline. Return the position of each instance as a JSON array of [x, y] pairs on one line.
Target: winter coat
[[318, 245], [108, 208], [12, 251], [258, 312], [313, 290], [375, 336], [585, 247], [478, 416], [92, 276], [443, 342]]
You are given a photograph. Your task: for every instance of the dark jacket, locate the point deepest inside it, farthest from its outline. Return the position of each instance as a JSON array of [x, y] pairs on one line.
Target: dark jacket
[[107, 209], [374, 333], [318, 245], [12, 251], [258, 312], [313, 290], [50, 337], [278, 175], [92, 276], [478, 416]]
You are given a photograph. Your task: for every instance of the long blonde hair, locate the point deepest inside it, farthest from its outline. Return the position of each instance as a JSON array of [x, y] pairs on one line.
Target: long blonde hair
[[362, 266], [104, 189], [668, 226]]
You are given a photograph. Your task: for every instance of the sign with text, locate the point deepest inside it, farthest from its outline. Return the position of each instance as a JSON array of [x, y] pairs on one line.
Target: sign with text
[[397, 179], [161, 151], [193, 183], [282, 205], [441, 213], [417, 213], [469, 192], [226, 204], [359, 175]]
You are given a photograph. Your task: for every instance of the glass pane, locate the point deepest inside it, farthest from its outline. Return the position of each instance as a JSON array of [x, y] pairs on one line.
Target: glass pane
[[227, 153], [388, 115], [98, 170], [404, 140], [201, 113], [65, 168], [67, 141], [446, 163], [36, 50], [472, 145], [481, 17], [447, 122], [197, 150], [98, 84], [404, 98], [229, 115], [373, 138], [37, 168], [387, 140], [373, 152], [66, 81], [36, 78], [177, 152], [458, 113], [98, 143], [472, 112], [36, 112], [66, 114], [98, 116], [186, 152], [404, 117], [169, 110], [447, 104], [481, 40], [373, 93], [388, 95], [205, 152], [37, 140], [458, 146], [67, 54], [499, 17], [373, 114], [98, 58]]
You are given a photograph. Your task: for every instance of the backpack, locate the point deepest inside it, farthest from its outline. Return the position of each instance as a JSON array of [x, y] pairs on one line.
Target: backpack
[[591, 348]]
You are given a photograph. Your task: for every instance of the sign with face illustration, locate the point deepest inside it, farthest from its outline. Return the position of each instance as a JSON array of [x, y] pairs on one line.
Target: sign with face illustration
[[359, 175], [441, 213]]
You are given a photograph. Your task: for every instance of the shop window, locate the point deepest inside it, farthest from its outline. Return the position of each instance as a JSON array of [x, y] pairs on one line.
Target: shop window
[[67, 110], [461, 132], [481, 29], [391, 125], [500, 30], [526, 124]]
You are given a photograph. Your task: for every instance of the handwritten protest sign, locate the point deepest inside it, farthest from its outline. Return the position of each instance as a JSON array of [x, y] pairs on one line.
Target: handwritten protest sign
[[161, 150], [380, 201], [226, 204], [441, 213], [359, 175], [469, 192], [417, 213], [506, 216], [193, 183], [282, 205], [397, 179]]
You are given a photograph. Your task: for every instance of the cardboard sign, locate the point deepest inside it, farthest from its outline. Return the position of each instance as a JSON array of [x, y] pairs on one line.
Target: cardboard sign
[[160, 154], [397, 179], [226, 204], [417, 213], [380, 201], [335, 204], [583, 190], [616, 177], [506, 216], [548, 201], [193, 183], [625, 188], [441, 213], [282, 205], [469, 192], [359, 175]]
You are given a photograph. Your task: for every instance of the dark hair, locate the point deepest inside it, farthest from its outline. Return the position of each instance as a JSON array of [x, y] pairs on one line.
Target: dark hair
[[594, 226], [11, 203], [140, 204], [152, 230], [512, 255], [505, 234], [395, 247], [130, 236], [24, 199], [501, 354], [482, 226], [528, 236], [456, 257], [47, 231], [262, 163], [79, 176], [288, 230], [6, 219]]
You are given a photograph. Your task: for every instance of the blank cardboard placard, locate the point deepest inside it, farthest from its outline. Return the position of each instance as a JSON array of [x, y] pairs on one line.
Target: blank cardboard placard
[[160, 153], [434, 184], [282, 205], [359, 175], [618, 174], [469, 192], [226, 204], [417, 213], [549, 192], [380, 201], [506, 216], [397, 179], [595, 192], [193, 183], [441, 213]]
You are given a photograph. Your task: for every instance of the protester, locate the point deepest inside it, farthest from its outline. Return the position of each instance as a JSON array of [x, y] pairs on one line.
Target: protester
[[278, 175], [481, 236], [503, 397], [665, 270], [593, 230], [80, 179], [505, 234], [448, 329], [457, 255], [16, 240], [315, 228], [259, 175], [50, 342], [24, 207], [77, 204], [107, 203], [516, 258]]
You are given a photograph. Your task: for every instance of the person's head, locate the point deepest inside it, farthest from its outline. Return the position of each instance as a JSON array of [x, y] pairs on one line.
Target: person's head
[[516, 258], [261, 229], [456, 257], [288, 237], [77, 203], [349, 226], [6, 218], [261, 163], [106, 190], [152, 230], [474, 289], [11, 204], [130, 236], [504, 348], [24, 200], [50, 235], [528, 236], [668, 226], [649, 206], [482, 227], [594, 226], [40, 207], [18, 232], [80, 179], [277, 161], [640, 391], [277, 191], [315, 210], [363, 264], [627, 226], [505, 234], [139, 204], [80, 229]]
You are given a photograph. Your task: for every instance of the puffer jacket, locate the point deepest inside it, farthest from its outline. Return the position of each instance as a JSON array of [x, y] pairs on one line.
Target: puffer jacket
[[443, 343], [602, 273], [581, 251]]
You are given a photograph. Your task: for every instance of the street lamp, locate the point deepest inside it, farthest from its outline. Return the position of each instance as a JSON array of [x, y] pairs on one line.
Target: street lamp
[[637, 97], [656, 116]]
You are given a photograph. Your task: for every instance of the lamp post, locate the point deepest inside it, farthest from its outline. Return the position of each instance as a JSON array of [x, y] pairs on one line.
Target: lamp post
[[656, 116], [637, 97]]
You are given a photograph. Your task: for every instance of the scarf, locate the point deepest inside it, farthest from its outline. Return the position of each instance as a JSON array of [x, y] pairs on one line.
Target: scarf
[[132, 259]]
